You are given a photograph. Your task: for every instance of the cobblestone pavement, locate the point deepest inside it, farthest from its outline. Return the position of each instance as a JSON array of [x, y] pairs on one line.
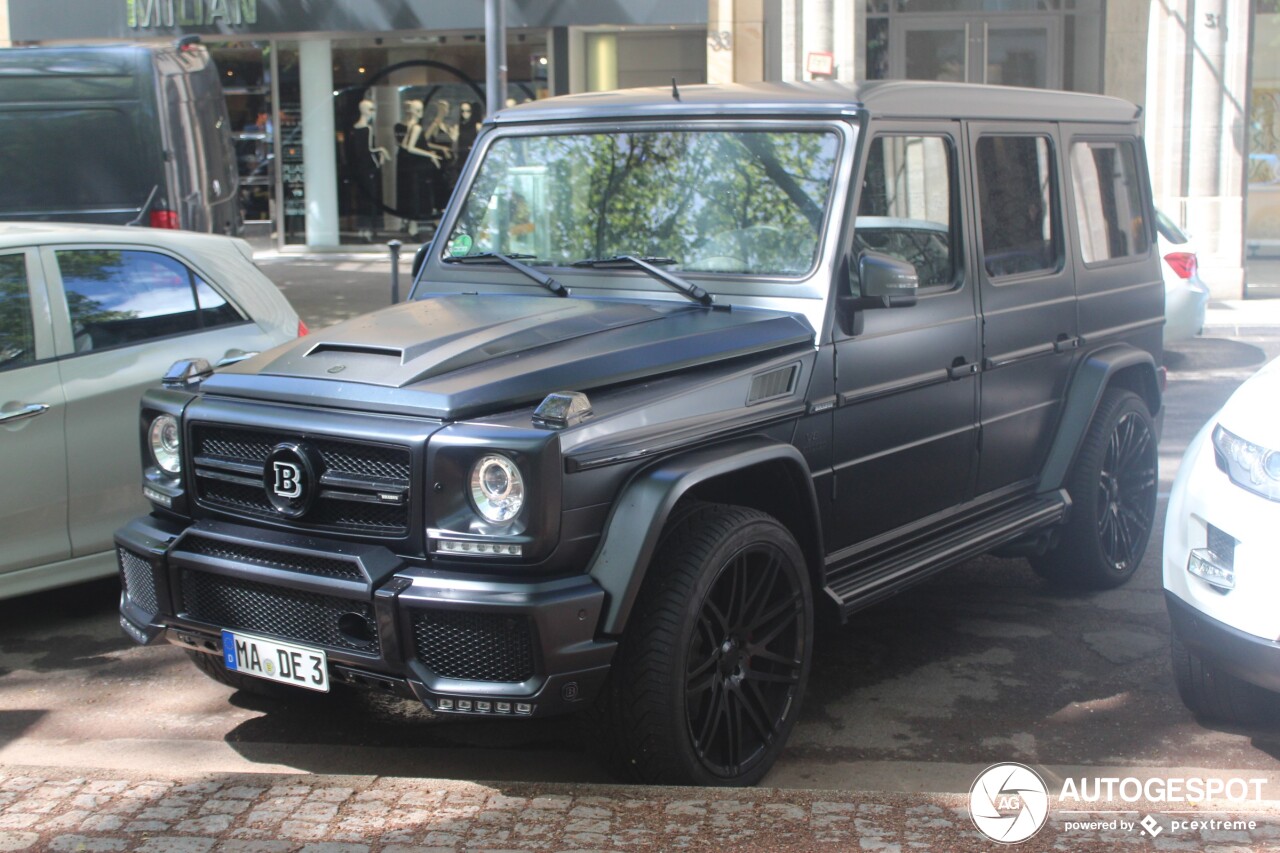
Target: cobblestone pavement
[[46, 809]]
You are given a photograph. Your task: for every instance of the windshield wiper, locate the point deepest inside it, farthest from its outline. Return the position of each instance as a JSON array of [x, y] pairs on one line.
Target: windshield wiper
[[675, 282], [511, 260]]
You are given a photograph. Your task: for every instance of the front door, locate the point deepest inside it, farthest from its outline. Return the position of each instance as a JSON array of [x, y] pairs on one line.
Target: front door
[[33, 466], [905, 435]]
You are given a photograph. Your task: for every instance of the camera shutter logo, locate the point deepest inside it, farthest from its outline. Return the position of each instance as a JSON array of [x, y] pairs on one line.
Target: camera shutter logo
[[1009, 802], [289, 479]]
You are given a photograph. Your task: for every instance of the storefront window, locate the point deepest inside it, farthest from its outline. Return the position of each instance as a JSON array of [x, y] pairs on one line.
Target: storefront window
[[246, 82], [293, 196], [407, 116]]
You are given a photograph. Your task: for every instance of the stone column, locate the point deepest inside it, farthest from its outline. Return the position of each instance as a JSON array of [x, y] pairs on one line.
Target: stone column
[[1197, 126], [319, 146]]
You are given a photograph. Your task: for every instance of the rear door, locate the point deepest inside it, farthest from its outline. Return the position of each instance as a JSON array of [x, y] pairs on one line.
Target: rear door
[[33, 472], [1027, 294], [121, 317]]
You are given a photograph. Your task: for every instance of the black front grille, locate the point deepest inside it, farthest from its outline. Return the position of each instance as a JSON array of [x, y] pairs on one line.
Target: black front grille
[[139, 580], [228, 464], [241, 605], [307, 564], [474, 646]]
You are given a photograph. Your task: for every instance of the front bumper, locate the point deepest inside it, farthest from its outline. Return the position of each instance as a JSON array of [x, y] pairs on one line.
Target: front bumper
[[1252, 659], [463, 644]]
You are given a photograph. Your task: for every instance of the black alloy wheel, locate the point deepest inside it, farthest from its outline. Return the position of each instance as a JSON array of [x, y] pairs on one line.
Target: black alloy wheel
[[744, 662], [1113, 488], [709, 675], [1127, 492]]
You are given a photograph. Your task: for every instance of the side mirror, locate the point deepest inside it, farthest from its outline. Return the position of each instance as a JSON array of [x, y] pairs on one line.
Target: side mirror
[[883, 281], [419, 258]]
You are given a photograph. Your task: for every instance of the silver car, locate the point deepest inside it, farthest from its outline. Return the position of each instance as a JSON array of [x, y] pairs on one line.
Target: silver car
[[89, 317]]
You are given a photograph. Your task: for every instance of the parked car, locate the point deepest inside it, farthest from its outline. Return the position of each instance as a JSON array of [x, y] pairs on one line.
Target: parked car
[[677, 371], [89, 317], [1185, 296], [1221, 538]]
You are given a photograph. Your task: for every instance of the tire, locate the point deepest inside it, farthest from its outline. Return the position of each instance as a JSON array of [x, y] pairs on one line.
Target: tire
[[714, 661], [1113, 498], [1212, 693], [211, 665]]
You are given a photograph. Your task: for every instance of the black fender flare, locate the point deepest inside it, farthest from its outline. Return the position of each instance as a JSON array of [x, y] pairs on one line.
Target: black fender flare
[[1090, 381], [635, 525]]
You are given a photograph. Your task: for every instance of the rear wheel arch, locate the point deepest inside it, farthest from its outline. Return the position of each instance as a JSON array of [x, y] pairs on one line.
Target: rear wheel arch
[[1118, 366]]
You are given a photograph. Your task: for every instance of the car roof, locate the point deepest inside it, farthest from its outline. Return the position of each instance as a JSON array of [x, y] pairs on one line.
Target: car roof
[[881, 98], [14, 234]]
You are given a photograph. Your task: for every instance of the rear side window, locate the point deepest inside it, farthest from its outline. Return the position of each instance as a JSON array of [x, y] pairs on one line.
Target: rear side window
[[121, 297], [1017, 194], [65, 160], [905, 209], [17, 333], [1108, 198]]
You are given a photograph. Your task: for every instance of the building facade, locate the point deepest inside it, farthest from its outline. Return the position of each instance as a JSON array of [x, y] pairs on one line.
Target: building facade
[[353, 118]]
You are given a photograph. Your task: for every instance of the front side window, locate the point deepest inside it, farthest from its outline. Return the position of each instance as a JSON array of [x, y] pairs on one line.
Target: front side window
[[17, 332], [905, 209], [1109, 209], [745, 202], [1017, 194], [119, 297]]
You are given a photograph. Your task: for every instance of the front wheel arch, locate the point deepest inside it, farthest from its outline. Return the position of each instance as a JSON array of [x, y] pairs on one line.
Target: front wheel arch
[[646, 504]]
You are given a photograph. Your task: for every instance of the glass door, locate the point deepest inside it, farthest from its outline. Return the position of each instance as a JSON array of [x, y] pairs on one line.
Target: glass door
[[1003, 50]]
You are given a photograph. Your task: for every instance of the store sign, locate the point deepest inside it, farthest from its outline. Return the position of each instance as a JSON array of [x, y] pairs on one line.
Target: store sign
[[143, 14]]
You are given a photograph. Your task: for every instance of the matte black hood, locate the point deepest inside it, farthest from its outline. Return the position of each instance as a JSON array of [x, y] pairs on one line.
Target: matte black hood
[[458, 356]]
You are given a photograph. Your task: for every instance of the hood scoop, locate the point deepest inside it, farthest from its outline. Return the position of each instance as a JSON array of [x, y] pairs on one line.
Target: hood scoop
[[323, 349]]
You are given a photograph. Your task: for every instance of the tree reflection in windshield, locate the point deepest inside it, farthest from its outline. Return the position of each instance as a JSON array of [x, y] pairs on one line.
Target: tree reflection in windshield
[[716, 201]]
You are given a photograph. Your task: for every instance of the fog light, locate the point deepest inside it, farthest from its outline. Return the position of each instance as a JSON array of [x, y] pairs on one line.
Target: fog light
[[1205, 565], [444, 704]]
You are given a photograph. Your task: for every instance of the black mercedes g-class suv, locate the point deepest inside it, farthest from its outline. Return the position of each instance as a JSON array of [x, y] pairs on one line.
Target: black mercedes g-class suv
[[680, 368]]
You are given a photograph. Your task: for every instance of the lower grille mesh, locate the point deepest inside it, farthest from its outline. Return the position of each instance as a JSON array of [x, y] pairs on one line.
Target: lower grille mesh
[[242, 605], [310, 564], [474, 646], [139, 580]]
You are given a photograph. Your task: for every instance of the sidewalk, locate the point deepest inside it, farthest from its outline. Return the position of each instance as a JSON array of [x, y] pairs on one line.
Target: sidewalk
[[46, 809]]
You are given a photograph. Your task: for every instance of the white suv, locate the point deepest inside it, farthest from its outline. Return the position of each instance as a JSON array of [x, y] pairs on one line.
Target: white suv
[[1221, 538]]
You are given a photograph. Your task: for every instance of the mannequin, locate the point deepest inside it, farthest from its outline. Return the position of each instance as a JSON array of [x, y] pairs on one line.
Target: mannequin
[[437, 139], [464, 136], [412, 168], [365, 159]]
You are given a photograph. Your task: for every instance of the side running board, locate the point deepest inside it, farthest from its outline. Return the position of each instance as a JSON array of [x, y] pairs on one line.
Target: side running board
[[865, 583]]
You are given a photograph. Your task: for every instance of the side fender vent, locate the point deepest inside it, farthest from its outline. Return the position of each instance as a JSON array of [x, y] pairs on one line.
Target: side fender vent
[[779, 382]]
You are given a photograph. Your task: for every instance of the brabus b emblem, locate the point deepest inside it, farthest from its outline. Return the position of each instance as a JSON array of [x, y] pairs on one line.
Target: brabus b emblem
[[289, 478]]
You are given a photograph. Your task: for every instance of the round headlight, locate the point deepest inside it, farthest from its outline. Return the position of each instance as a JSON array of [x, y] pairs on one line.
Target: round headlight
[[165, 444], [497, 489]]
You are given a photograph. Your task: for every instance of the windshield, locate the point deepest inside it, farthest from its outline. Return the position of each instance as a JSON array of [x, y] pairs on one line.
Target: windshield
[[725, 201]]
